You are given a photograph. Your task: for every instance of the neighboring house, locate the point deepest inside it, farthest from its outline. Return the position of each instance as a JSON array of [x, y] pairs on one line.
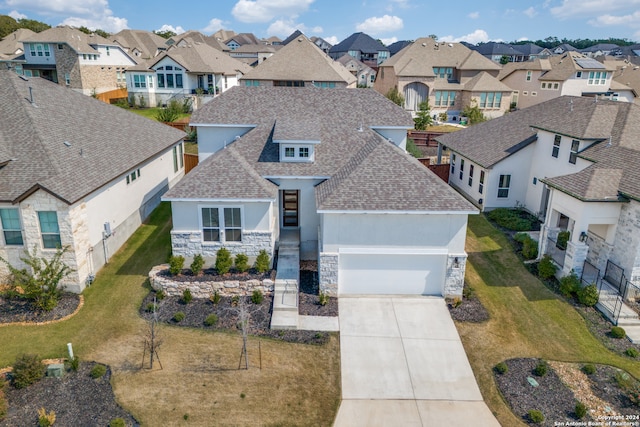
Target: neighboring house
[[181, 71], [533, 51], [324, 45], [600, 49], [449, 75], [12, 50], [496, 51], [241, 39], [140, 45], [572, 74], [564, 48], [271, 41], [302, 161], [366, 75], [192, 37], [254, 54], [627, 76], [87, 63], [570, 160], [76, 173], [299, 63], [362, 47], [398, 46]]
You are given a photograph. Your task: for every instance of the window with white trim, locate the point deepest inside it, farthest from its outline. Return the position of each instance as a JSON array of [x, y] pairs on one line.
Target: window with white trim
[[49, 229], [470, 175], [443, 72], [556, 146], [11, 228], [453, 164], [481, 185], [139, 80], [133, 176], [597, 78], [296, 153], [490, 99], [461, 169], [39, 49], [445, 98], [221, 224], [503, 186], [575, 145], [528, 76]]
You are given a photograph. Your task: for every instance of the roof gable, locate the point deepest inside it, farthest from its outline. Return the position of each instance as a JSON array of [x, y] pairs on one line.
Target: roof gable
[[359, 42]]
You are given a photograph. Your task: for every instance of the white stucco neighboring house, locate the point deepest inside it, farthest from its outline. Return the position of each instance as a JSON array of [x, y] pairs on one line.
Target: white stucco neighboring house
[[571, 160], [77, 173], [275, 159]]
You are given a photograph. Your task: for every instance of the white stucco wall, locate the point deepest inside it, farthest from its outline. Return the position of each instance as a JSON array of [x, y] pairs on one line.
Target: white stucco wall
[[256, 216], [397, 136], [213, 138]]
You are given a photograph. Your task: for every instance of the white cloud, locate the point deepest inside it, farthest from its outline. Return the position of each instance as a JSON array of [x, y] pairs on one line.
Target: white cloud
[[609, 20], [89, 13], [572, 8], [167, 27], [523, 39], [383, 24], [402, 4], [317, 30], [334, 40], [474, 15], [531, 12], [389, 41], [266, 10], [17, 15], [284, 27], [476, 37], [214, 25]]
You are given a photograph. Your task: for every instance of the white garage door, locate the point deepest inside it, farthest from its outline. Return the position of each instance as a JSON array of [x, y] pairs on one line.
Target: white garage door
[[399, 274]]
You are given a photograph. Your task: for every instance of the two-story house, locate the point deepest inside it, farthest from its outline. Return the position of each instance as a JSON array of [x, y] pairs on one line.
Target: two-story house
[[12, 50], [140, 45], [87, 63], [571, 74], [449, 75], [362, 47]]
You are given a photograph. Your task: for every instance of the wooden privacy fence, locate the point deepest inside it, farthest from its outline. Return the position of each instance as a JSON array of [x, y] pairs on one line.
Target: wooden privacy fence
[[424, 138], [190, 162], [178, 124], [441, 170]]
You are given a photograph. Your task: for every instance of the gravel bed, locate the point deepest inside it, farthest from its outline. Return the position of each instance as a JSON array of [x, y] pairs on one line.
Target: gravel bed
[[470, 309], [199, 309], [551, 396], [20, 310], [606, 387], [77, 400], [308, 299]]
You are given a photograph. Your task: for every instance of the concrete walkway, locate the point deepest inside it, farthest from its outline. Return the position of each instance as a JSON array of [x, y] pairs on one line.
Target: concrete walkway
[[403, 363]]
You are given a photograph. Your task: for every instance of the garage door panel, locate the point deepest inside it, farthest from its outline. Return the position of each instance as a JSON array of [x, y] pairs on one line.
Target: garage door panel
[[411, 274]]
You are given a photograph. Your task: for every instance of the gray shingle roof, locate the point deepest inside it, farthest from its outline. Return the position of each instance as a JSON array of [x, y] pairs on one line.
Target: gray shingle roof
[[146, 42], [614, 126], [77, 40], [13, 42], [359, 42], [105, 141], [365, 171]]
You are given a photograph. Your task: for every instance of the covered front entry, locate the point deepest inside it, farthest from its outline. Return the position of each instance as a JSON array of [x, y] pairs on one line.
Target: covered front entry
[[290, 208], [391, 273]]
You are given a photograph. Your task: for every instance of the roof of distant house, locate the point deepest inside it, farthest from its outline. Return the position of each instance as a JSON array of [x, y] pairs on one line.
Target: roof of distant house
[[11, 43], [66, 143], [146, 42], [398, 46], [243, 38], [364, 171], [360, 42], [496, 48], [76, 39]]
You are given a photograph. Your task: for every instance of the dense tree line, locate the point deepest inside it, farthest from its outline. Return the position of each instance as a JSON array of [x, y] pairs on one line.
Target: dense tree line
[[8, 25], [552, 41]]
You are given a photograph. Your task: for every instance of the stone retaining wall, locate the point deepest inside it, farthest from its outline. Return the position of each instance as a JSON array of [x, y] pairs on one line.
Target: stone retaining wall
[[205, 289]]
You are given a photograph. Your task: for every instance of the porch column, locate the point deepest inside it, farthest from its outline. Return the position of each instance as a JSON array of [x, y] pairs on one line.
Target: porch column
[[599, 251], [574, 258]]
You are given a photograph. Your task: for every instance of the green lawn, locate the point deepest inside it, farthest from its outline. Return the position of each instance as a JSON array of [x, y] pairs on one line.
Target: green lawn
[[151, 113], [527, 320]]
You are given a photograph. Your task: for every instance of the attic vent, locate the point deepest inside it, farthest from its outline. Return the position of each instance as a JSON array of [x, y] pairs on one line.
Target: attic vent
[[67, 143], [300, 39]]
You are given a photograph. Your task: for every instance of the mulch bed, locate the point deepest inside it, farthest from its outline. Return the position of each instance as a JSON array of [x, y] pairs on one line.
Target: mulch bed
[[77, 400], [211, 275], [469, 309], [20, 310], [308, 299], [551, 397], [199, 309]]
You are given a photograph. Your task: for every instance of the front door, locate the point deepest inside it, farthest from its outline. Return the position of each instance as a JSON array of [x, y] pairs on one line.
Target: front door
[[289, 208]]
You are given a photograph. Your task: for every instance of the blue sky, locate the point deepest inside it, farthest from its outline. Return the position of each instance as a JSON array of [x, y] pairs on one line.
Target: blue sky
[[334, 20]]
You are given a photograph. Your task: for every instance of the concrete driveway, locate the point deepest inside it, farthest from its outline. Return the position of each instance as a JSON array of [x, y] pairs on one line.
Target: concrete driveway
[[403, 364]]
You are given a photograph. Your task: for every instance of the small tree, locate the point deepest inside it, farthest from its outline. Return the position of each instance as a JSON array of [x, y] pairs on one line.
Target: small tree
[[27, 370], [395, 96], [474, 114], [263, 262], [588, 295], [423, 116], [152, 339], [569, 284], [176, 262], [242, 262], [546, 268], [224, 261], [197, 264], [40, 281]]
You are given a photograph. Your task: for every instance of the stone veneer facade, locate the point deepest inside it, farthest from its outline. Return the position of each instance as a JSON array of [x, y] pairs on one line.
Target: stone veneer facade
[[328, 273], [189, 243], [454, 277], [626, 248], [160, 281]]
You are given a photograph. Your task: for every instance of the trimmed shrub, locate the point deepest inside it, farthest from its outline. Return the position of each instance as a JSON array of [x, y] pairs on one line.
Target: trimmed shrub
[[530, 248], [178, 317], [588, 295], [563, 238], [27, 370], [535, 416], [215, 298], [541, 369], [117, 422], [175, 264], [98, 371], [44, 419], [235, 300], [520, 237], [569, 284], [242, 263], [197, 264], [257, 297], [546, 268], [632, 352], [74, 363], [211, 320], [589, 369], [509, 219], [617, 332], [150, 308], [263, 261], [186, 296], [323, 298], [580, 410], [224, 261], [160, 295], [501, 368]]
